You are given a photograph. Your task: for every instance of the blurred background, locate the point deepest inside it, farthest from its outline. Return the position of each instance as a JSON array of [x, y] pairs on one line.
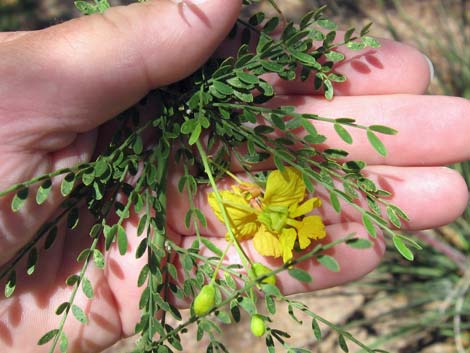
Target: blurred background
[[403, 307]]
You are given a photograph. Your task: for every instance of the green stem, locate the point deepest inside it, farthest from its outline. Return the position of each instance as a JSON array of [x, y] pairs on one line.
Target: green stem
[[192, 206], [244, 258], [84, 268], [219, 263], [73, 294], [41, 233]]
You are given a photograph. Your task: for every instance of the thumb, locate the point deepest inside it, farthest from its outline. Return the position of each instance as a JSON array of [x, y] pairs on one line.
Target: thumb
[[81, 73]]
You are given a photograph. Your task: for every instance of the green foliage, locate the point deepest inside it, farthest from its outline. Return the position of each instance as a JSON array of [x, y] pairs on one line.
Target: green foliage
[[88, 8], [202, 124]]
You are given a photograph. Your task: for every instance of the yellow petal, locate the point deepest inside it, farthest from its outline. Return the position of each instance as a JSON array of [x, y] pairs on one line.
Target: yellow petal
[[266, 243], [300, 210], [245, 231], [284, 189], [287, 240], [311, 227], [236, 206], [241, 214]]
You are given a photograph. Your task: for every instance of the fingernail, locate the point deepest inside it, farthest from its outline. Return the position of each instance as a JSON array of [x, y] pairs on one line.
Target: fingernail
[[431, 67]]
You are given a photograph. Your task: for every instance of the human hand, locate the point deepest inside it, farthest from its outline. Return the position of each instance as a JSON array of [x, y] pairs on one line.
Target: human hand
[[60, 84]]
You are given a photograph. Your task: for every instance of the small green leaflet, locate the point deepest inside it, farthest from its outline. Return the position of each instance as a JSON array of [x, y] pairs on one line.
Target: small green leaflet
[[43, 192], [342, 343], [85, 7], [348, 34], [87, 288], [79, 314], [376, 143], [88, 9], [88, 176], [72, 279], [327, 24], [271, 25], [62, 307], [393, 217], [271, 290], [370, 42], [63, 343], [343, 133], [301, 275], [383, 129], [304, 58], [369, 225], [142, 225], [402, 247], [247, 305], [222, 88], [195, 134], [172, 271], [329, 262], [244, 97], [143, 276], [335, 56], [138, 145], [32, 261], [73, 218], [67, 184], [48, 336], [365, 29], [10, 286], [50, 238], [122, 239], [329, 90], [257, 19], [211, 246], [272, 66], [359, 243], [98, 258], [355, 45], [335, 202], [19, 199], [316, 329], [247, 78], [270, 304]]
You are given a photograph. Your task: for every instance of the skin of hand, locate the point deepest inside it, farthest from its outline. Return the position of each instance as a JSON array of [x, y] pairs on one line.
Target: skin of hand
[[60, 84]]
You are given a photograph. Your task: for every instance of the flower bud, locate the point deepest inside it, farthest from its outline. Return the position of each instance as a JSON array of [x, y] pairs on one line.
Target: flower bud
[[205, 300], [260, 270], [258, 327]]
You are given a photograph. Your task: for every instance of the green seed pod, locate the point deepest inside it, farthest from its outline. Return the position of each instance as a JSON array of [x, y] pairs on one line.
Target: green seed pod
[[205, 300], [260, 270], [258, 327]]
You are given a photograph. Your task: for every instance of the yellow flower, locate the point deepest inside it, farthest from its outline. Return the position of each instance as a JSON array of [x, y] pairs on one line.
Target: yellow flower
[[277, 219]]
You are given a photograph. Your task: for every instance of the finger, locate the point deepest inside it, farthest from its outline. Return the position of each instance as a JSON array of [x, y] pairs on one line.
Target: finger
[[354, 263], [431, 197], [392, 68], [432, 130], [78, 74]]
